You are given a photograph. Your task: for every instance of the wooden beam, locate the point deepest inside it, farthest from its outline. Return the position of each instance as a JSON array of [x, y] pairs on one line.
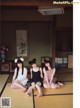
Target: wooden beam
[[32, 3]]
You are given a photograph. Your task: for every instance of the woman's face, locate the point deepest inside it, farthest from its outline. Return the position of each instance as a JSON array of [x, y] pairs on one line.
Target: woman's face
[[19, 65], [34, 65], [47, 64]]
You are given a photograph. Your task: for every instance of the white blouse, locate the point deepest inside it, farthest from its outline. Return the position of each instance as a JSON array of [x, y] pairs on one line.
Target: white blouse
[[20, 75]]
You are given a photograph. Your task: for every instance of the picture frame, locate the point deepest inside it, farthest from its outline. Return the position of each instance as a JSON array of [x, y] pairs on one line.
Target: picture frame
[[21, 43]]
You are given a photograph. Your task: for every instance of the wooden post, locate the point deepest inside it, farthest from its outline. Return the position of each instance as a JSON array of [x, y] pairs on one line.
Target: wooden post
[[53, 40]]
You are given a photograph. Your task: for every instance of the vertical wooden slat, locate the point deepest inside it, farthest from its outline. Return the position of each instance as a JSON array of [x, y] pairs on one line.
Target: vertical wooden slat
[[53, 40]]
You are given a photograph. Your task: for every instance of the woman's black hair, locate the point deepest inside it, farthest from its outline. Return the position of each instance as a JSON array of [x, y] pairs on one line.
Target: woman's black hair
[[47, 61], [32, 62], [21, 62]]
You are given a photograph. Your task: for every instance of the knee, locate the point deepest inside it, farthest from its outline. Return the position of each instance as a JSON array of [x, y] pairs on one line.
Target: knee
[[33, 86], [38, 84]]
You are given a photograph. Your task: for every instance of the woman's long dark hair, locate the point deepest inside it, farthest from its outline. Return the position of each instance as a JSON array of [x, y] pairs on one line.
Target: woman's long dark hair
[[46, 68], [19, 61]]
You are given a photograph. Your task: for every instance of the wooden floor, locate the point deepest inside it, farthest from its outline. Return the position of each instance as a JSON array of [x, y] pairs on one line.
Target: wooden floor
[[52, 98]]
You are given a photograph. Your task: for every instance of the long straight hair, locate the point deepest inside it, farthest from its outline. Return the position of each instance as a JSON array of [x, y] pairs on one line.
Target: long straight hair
[[19, 61], [46, 68]]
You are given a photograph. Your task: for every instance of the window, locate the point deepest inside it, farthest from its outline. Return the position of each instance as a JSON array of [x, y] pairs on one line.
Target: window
[[61, 60]]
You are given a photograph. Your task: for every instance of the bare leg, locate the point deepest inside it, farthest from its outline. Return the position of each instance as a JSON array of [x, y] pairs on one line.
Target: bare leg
[[14, 86], [18, 85], [30, 89], [53, 85], [38, 84]]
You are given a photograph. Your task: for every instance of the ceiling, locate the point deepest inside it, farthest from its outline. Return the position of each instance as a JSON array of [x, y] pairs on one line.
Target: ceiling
[[33, 4]]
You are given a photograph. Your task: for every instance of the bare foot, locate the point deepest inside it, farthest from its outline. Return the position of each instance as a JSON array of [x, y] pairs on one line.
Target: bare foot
[[39, 95], [25, 89], [60, 84], [11, 86], [27, 94]]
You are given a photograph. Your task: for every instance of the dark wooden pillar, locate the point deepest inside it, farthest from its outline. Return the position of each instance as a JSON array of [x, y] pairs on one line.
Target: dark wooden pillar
[[54, 40], [0, 25], [0, 33]]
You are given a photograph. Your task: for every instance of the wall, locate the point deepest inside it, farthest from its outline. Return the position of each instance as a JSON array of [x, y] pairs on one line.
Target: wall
[[64, 33], [65, 20], [39, 31], [64, 41], [38, 39], [40, 44], [23, 14]]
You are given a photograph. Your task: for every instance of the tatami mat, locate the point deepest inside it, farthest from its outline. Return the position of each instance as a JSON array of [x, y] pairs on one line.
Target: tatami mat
[[63, 101], [18, 98], [3, 79], [67, 88], [53, 98]]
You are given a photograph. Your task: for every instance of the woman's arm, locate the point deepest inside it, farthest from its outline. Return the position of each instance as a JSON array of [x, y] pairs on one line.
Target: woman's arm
[[53, 73], [41, 73], [31, 72], [45, 75]]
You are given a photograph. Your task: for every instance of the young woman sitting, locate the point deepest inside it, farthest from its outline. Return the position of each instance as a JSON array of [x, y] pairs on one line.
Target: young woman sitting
[[36, 78], [49, 80], [20, 75]]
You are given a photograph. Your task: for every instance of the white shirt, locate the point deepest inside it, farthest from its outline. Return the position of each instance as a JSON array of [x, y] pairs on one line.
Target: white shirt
[[20, 75]]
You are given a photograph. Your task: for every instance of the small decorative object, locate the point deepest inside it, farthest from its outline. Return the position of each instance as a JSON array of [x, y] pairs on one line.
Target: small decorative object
[[22, 59], [3, 53], [5, 67]]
